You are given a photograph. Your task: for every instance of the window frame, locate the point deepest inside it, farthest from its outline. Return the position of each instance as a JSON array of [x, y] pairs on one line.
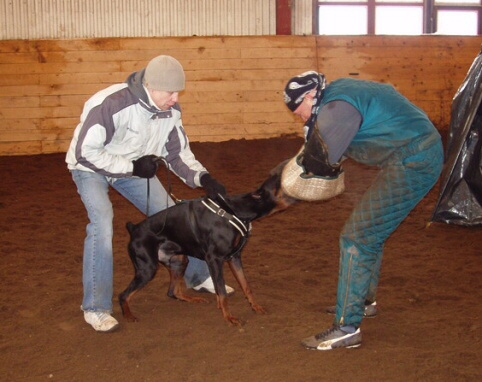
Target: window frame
[[429, 11]]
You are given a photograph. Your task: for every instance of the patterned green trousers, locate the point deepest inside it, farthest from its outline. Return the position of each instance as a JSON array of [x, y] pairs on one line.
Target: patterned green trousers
[[402, 182]]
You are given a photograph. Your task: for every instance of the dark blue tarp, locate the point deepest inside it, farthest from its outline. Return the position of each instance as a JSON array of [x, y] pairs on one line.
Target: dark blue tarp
[[460, 199]]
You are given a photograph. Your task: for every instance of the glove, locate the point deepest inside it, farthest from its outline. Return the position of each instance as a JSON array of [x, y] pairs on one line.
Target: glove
[[212, 186], [315, 157], [145, 167]]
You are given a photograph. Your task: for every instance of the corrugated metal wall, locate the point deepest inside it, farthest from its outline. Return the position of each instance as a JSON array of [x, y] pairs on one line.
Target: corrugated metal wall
[[57, 19], [302, 17]]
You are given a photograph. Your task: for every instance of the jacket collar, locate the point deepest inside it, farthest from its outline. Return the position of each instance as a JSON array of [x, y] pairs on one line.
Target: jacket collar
[[135, 84]]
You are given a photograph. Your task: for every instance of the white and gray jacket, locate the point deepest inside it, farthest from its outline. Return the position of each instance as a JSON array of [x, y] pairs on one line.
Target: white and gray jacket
[[118, 125]]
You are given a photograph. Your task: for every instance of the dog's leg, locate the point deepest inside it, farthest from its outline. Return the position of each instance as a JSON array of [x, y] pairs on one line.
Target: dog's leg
[[222, 301], [215, 265], [236, 267], [141, 278], [142, 253], [177, 266]]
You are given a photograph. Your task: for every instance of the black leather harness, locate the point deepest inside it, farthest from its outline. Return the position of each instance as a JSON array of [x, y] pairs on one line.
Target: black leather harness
[[244, 228]]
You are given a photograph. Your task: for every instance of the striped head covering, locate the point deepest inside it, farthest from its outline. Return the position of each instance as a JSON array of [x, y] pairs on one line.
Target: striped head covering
[[298, 87]]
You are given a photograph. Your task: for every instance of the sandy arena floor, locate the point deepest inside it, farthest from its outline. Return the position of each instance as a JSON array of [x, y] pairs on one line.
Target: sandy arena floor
[[428, 327]]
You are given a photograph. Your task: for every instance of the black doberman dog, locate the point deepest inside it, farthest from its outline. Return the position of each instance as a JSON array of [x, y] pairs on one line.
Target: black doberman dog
[[214, 231]]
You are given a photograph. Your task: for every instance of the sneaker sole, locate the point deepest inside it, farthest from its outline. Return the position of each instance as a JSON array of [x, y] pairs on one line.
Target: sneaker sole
[[347, 342], [338, 347], [113, 329], [331, 348]]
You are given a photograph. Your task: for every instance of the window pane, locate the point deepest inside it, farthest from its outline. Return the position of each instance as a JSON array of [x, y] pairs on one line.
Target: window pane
[[455, 2], [345, 1], [399, 20], [342, 19], [457, 23], [400, 1]]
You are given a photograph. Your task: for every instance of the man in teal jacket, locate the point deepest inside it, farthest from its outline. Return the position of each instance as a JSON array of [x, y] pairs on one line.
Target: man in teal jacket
[[373, 124]]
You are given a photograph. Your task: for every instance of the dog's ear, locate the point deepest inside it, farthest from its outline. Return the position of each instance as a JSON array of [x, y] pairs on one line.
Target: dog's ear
[[272, 184], [279, 168], [256, 195]]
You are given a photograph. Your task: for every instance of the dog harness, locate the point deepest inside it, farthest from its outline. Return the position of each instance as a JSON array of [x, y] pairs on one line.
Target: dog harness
[[232, 219], [244, 228]]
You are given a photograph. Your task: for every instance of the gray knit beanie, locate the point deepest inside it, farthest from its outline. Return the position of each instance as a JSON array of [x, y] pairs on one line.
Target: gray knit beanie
[[164, 73]]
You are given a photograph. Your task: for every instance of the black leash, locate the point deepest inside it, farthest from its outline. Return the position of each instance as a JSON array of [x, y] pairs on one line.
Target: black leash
[[169, 186]]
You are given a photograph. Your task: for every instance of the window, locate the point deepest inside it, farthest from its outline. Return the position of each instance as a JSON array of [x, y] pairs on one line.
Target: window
[[343, 19], [412, 17], [458, 17], [398, 17]]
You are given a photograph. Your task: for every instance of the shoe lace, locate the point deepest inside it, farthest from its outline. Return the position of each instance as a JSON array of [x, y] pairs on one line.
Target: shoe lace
[[101, 316], [327, 332]]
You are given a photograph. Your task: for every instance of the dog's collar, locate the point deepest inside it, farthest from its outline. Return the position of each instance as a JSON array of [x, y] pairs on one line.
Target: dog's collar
[[233, 219]]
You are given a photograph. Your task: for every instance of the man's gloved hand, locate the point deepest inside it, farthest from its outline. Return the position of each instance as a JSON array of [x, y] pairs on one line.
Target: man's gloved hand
[[315, 157], [145, 167], [212, 186]]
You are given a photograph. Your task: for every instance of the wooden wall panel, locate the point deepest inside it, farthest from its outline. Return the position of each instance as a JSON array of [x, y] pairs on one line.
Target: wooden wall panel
[[426, 69], [234, 84]]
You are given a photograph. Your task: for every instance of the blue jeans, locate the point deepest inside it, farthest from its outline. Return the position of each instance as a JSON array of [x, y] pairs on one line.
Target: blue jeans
[[93, 189]]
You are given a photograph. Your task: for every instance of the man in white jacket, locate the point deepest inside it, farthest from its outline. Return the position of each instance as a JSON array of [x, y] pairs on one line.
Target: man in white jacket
[[123, 129]]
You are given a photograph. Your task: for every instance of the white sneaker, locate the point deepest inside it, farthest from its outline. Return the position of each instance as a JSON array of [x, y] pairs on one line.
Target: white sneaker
[[208, 287], [101, 322]]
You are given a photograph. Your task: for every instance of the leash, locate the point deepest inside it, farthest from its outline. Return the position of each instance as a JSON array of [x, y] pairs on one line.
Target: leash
[[169, 186]]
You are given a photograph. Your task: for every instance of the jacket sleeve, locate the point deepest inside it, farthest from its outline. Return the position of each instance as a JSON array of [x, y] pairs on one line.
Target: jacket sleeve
[[181, 159], [95, 133], [338, 122]]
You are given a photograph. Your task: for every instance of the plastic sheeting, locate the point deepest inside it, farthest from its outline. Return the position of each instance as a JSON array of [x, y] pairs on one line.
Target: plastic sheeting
[[460, 199]]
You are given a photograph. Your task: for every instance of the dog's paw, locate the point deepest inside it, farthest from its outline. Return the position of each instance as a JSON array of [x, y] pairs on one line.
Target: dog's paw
[[233, 320], [130, 318], [187, 298], [258, 308], [194, 299], [199, 300]]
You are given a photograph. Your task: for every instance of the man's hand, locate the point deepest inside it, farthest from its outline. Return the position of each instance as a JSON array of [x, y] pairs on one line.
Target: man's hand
[[315, 157], [212, 186], [145, 167]]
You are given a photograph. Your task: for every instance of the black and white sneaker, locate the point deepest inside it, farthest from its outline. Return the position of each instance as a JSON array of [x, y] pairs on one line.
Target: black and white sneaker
[[335, 337]]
